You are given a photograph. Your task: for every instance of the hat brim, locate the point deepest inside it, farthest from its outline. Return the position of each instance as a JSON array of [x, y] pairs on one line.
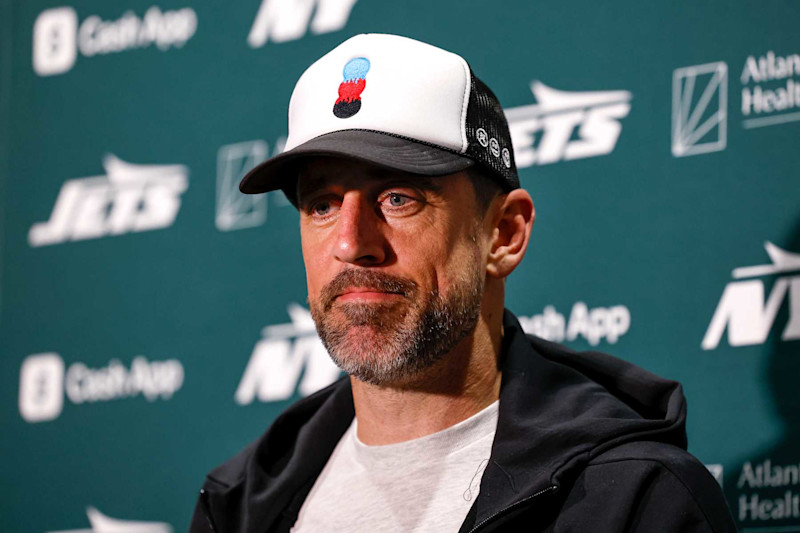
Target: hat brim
[[381, 149]]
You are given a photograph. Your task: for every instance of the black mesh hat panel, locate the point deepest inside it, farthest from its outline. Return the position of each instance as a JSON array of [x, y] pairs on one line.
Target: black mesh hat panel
[[488, 138]]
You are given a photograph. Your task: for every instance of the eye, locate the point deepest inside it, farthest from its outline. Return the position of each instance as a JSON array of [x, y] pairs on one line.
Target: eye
[[322, 208], [400, 203], [397, 200]]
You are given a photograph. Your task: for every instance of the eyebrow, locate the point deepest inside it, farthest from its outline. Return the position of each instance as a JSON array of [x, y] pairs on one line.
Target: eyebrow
[[430, 183], [423, 182]]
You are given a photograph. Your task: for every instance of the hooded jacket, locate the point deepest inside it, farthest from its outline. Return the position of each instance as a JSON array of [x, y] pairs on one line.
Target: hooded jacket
[[584, 442]]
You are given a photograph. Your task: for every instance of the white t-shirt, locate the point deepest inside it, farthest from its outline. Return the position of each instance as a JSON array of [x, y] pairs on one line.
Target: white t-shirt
[[425, 484]]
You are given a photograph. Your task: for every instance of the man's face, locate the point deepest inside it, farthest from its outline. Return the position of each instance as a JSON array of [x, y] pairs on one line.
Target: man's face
[[394, 264]]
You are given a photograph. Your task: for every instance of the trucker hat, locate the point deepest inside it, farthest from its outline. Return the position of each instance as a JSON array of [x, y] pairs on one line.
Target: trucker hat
[[396, 103]]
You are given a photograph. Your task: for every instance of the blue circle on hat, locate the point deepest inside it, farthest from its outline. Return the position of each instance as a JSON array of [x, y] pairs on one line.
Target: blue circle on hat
[[356, 69]]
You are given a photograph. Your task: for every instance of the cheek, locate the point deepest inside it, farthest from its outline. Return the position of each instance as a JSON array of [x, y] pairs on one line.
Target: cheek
[[467, 255], [315, 265], [437, 257], [463, 263]]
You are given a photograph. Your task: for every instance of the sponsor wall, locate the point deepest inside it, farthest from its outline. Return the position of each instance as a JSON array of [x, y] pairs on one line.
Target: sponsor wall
[[153, 319]]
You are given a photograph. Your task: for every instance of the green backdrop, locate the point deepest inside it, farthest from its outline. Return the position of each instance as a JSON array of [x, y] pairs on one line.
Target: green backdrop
[[153, 319]]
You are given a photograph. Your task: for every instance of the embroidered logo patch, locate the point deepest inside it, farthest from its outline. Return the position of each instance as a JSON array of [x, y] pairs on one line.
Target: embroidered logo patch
[[349, 102]]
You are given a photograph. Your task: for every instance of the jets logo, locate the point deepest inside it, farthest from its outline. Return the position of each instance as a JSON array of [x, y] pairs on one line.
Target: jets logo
[[101, 523], [744, 310], [566, 125], [280, 21], [129, 198], [284, 353]]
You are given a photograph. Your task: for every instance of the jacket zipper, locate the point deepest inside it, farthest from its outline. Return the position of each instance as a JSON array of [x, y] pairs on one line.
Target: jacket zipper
[[207, 509], [513, 506]]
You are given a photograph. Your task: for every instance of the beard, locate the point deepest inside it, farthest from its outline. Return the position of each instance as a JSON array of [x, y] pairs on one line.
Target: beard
[[391, 342]]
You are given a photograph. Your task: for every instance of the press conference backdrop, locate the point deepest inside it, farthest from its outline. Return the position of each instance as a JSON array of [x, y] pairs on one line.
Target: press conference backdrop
[[154, 320]]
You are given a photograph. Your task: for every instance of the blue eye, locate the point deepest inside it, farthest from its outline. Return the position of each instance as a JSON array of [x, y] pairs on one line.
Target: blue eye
[[403, 202], [397, 200]]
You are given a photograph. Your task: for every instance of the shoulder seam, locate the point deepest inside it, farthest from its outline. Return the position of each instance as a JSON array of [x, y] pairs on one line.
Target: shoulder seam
[[217, 481], [668, 469]]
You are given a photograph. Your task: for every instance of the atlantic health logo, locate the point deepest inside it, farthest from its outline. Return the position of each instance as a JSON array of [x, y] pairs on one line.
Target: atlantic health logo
[[43, 383], [744, 310], [770, 96], [289, 357], [101, 523], [128, 199], [768, 495], [563, 125], [280, 21], [58, 37], [770, 85], [699, 109]]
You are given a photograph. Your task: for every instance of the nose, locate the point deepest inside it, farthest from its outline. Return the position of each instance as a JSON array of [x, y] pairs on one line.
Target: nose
[[360, 238]]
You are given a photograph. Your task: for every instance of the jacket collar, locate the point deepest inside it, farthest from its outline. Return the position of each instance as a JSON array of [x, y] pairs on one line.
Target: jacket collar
[[560, 408]]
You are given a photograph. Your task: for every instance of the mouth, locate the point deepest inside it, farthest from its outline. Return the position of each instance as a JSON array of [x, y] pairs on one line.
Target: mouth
[[366, 289], [363, 294]]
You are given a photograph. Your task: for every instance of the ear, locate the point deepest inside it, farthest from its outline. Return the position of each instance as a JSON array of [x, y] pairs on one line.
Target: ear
[[511, 231]]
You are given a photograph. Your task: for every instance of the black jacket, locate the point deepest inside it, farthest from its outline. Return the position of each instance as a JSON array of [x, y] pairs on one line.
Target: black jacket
[[584, 442]]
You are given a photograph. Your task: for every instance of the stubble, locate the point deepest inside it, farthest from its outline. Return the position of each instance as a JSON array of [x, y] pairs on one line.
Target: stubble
[[384, 343]]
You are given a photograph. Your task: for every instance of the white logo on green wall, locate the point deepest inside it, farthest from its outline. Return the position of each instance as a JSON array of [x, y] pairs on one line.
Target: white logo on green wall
[[699, 109], [717, 471], [770, 89], [594, 325], [104, 524], [128, 199], [284, 353], [41, 387], [288, 20], [43, 383], [745, 312], [57, 37], [569, 125], [236, 210], [760, 483]]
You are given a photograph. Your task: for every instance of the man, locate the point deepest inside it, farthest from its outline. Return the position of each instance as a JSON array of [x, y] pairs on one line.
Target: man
[[451, 419]]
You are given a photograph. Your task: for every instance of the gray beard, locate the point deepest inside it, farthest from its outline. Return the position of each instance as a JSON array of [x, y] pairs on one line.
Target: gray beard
[[389, 343]]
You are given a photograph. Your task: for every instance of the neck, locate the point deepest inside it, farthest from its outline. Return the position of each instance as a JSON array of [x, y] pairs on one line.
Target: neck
[[463, 383]]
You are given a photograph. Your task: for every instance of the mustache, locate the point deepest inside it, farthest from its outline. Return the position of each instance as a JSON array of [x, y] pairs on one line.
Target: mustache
[[364, 279]]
